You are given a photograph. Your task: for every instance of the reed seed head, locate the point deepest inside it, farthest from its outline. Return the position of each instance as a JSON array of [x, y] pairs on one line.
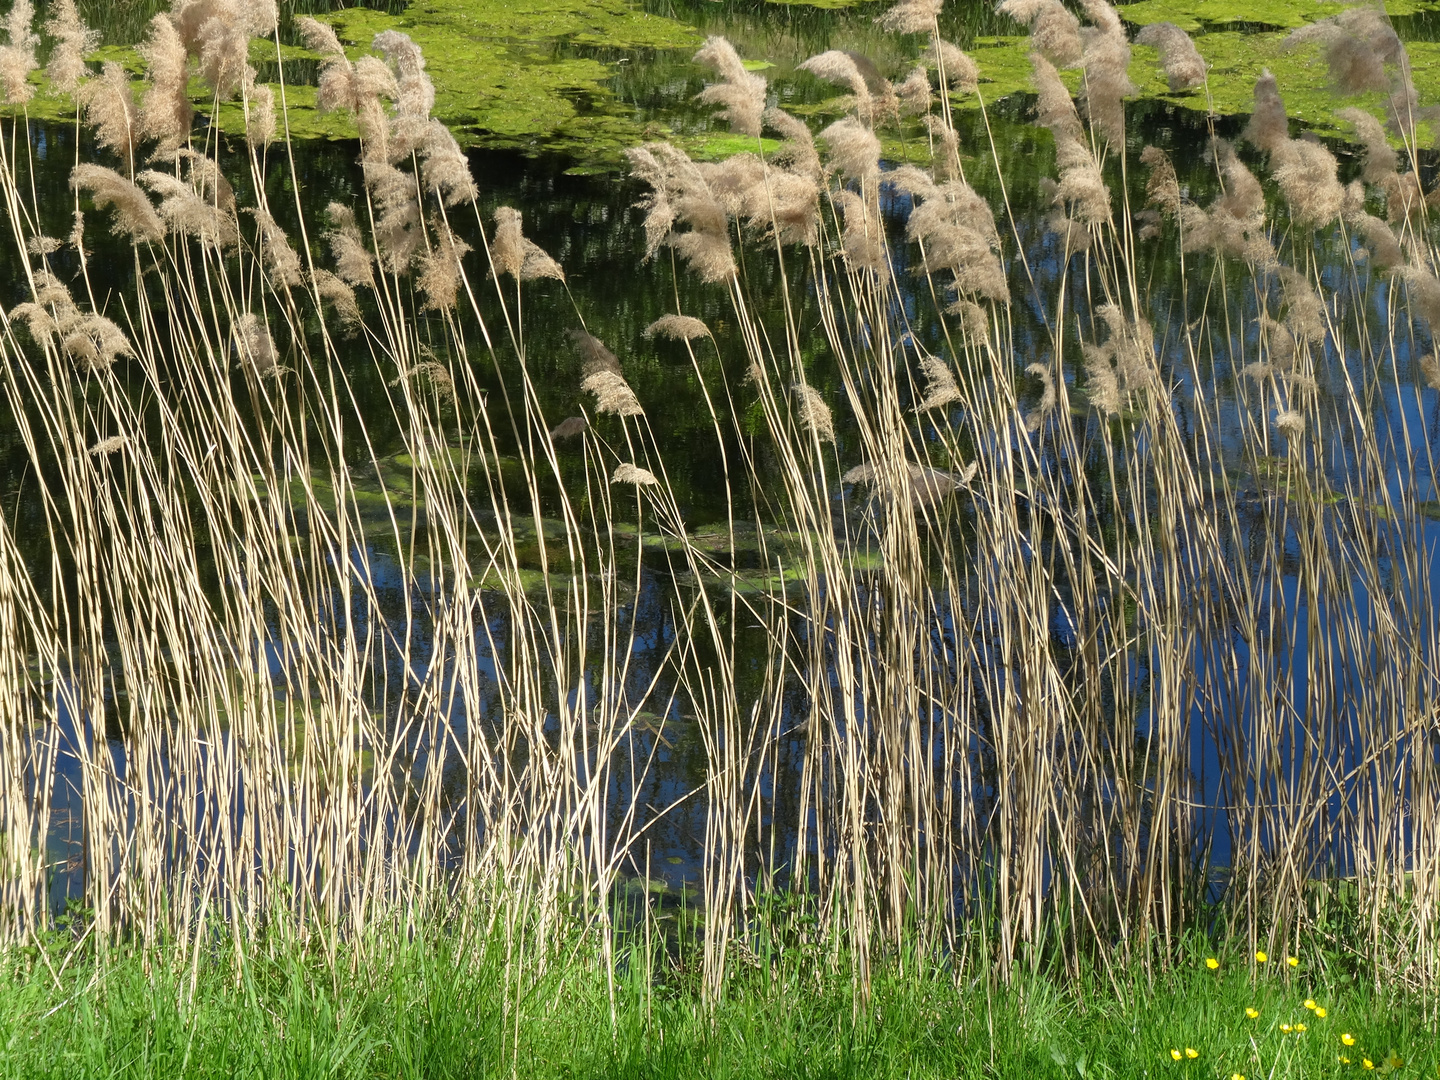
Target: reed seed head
[[1054, 31], [354, 263], [110, 110], [569, 428], [854, 149], [741, 93], [627, 473], [165, 112], [1183, 65], [841, 68], [17, 55], [135, 217], [911, 16], [73, 42], [812, 412], [677, 328]]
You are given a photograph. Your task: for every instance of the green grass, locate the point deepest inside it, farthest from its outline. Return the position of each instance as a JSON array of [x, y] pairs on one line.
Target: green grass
[[431, 1008]]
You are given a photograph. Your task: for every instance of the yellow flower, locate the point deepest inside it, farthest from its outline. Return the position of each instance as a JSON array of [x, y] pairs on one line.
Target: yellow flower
[[1320, 1011], [1260, 957], [1344, 1060], [1348, 1039], [1293, 961], [1237, 1076], [1368, 1063], [1301, 1027], [1176, 1054], [1310, 1003], [1285, 1028], [1252, 1013], [1191, 1053], [1212, 963]]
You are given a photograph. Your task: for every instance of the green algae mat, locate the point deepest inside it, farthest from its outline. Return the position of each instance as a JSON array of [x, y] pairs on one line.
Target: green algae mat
[[588, 78]]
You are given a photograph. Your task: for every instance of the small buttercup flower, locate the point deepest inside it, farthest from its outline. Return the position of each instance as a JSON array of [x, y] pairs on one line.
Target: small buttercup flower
[[1260, 957], [1252, 1013], [1368, 1063], [1344, 1060], [1348, 1039], [1320, 1011], [1237, 1076], [1176, 1054], [1300, 1027], [1212, 963], [1293, 961], [1310, 1003], [1191, 1053], [1285, 1028]]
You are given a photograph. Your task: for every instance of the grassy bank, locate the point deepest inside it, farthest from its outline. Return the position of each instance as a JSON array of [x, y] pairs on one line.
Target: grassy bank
[[435, 1008]]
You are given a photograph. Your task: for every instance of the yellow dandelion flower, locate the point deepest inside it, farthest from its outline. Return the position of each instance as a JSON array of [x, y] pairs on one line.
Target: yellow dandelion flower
[[1191, 1053], [1252, 1013], [1301, 1027], [1310, 1003], [1368, 1063], [1212, 963], [1285, 1028], [1260, 957], [1176, 1054], [1293, 961], [1237, 1076], [1320, 1011], [1348, 1039]]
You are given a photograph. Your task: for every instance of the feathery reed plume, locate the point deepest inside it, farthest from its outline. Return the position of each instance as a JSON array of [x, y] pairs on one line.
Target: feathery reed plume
[[1048, 397], [1182, 63], [940, 388], [439, 277], [854, 149], [90, 341], [399, 226], [17, 56], [42, 245], [569, 428], [840, 68], [431, 374], [633, 474], [1268, 126], [862, 236], [974, 320], [254, 343], [108, 446], [358, 87], [797, 150], [281, 263], [134, 216], [914, 92], [1304, 310], [813, 413], [1290, 423], [354, 264], [217, 34], [73, 42], [444, 166], [1054, 32], [110, 110], [945, 157], [1429, 370], [205, 175], [1381, 246], [1306, 173], [165, 111], [922, 485], [511, 253], [1074, 234], [956, 231], [730, 179], [1123, 365], [911, 16], [680, 193], [1424, 290], [677, 328], [329, 287], [1162, 187], [785, 206], [612, 394], [260, 120], [1358, 43], [740, 92], [187, 213], [415, 93], [1106, 63], [1081, 188], [961, 72], [1403, 194]]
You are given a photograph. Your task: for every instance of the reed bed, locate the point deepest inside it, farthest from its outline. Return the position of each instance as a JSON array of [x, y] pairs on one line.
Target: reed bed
[[1075, 643]]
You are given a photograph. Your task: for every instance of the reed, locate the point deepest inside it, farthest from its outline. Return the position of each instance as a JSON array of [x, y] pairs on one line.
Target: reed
[[1080, 620]]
